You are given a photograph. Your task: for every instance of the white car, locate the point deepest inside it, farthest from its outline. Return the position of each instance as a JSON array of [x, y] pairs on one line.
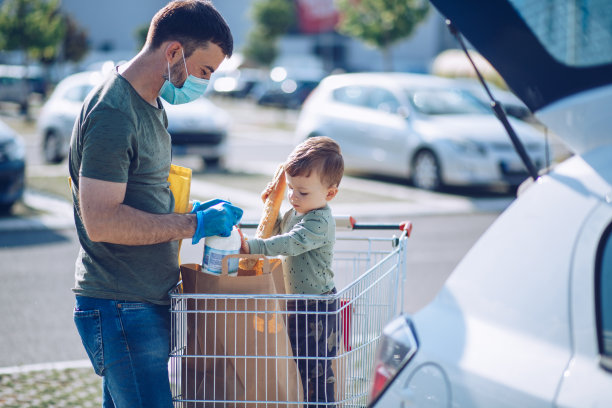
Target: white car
[[525, 319], [421, 127], [197, 128]]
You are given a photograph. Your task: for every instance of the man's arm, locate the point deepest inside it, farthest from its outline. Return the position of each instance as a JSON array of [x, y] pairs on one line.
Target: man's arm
[[107, 219]]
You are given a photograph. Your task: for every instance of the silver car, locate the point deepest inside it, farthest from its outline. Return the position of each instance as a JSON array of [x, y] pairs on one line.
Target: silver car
[[421, 127], [197, 128]]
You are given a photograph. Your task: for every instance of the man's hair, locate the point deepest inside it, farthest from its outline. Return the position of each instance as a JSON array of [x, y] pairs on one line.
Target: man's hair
[[193, 23], [320, 154]]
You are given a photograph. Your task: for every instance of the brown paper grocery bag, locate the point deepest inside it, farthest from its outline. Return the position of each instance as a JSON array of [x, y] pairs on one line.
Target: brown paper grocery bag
[[242, 348]]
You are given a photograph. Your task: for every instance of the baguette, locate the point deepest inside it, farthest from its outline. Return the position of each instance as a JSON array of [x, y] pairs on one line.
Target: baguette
[[269, 215]]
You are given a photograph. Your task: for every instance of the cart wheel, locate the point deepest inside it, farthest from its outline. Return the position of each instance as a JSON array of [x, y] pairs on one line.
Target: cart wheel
[[215, 164], [426, 171]]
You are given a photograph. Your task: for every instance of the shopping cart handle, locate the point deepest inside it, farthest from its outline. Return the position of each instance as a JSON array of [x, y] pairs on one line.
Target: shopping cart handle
[[406, 226], [347, 222]]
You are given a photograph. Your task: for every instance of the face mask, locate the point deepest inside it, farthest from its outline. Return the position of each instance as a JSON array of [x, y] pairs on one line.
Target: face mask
[[191, 90]]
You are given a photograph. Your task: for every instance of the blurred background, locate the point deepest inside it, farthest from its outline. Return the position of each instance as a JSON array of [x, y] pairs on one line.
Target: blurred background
[[291, 57]]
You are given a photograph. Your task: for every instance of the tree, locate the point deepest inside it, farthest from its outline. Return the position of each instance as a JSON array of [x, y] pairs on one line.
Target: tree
[[35, 27], [75, 44], [140, 34], [260, 48], [272, 18], [381, 23]]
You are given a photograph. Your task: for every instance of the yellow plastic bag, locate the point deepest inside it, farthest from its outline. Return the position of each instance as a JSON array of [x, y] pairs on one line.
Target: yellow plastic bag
[[180, 185]]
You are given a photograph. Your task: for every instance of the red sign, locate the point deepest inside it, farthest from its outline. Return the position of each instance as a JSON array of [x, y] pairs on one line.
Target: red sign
[[316, 16]]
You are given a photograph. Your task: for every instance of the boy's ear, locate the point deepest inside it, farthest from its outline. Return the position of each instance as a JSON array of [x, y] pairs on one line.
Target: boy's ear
[[331, 193]]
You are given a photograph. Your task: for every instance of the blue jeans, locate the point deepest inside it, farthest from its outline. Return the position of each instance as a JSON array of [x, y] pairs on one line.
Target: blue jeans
[[128, 344]]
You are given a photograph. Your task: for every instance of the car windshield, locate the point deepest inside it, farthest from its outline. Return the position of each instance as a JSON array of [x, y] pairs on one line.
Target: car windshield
[[545, 50], [445, 102], [77, 93], [575, 33]]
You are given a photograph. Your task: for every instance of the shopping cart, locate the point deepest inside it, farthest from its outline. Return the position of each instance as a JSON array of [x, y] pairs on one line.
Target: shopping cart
[[369, 277]]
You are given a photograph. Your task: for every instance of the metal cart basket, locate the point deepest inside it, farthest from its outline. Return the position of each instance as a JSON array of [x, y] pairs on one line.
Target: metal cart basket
[[369, 275]]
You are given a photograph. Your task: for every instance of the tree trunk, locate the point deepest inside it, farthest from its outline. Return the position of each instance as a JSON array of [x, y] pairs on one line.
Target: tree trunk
[[387, 59]]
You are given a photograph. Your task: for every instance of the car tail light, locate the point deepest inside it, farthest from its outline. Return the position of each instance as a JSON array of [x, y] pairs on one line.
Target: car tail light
[[397, 346]]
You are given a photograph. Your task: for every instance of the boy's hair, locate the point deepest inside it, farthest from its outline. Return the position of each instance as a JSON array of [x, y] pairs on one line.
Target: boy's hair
[[193, 23], [320, 154]]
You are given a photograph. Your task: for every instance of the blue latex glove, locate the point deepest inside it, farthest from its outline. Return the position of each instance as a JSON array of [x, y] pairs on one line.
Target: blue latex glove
[[201, 206], [216, 220]]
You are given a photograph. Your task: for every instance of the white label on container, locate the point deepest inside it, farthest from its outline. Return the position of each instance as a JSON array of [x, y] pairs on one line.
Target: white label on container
[[213, 259]]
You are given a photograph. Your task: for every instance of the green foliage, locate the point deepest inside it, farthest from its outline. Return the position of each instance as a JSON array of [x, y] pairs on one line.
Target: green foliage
[[261, 48], [36, 27], [141, 35], [272, 18], [381, 23], [75, 44]]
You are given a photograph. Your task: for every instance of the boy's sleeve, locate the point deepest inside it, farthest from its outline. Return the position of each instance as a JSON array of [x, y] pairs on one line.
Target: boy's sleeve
[[308, 234]]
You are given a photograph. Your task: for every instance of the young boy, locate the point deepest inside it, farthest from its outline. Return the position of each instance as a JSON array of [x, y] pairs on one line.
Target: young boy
[[305, 237]]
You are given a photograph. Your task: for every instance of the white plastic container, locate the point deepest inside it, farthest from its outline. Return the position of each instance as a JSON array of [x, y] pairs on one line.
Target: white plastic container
[[216, 247]]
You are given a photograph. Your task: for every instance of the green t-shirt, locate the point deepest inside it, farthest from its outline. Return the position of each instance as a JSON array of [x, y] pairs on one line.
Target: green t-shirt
[[119, 137], [306, 243]]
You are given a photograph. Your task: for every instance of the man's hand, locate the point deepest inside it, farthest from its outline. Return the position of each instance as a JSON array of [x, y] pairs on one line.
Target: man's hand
[[216, 220], [201, 206]]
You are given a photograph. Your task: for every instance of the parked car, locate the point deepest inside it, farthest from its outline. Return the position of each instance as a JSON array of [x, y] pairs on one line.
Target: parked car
[[512, 105], [197, 128], [420, 127], [237, 83], [18, 82], [289, 93], [525, 319], [12, 167], [287, 87]]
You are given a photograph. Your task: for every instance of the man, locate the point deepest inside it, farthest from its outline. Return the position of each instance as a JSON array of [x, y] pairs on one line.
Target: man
[[120, 156]]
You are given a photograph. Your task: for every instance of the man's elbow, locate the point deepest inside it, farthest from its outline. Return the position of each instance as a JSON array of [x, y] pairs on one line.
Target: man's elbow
[[96, 225], [96, 232]]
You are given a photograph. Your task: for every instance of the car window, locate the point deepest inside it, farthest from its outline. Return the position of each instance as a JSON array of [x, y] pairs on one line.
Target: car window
[[382, 99], [586, 45], [77, 93], [604, 297], [445, 102], [351, 95]]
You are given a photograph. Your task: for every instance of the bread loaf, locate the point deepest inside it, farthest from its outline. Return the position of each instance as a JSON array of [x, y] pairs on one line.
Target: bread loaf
[[268, 218]]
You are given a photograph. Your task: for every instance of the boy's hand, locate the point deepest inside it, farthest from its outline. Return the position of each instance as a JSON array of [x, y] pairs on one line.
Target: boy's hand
[[244, 245], [267, 191]]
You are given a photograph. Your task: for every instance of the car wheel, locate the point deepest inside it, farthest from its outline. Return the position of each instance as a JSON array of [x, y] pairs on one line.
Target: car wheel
[[213, 163], [52, 148], [426, 171], [5, 208]]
